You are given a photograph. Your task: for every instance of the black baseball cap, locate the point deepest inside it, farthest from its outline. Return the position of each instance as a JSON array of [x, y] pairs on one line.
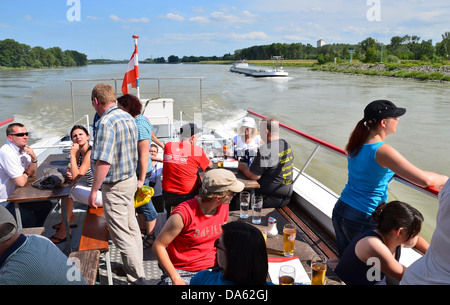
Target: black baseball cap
[[188, 130], [381, 109]]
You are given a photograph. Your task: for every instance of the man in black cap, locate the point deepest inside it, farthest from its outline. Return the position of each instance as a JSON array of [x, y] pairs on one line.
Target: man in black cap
[[181, 162]]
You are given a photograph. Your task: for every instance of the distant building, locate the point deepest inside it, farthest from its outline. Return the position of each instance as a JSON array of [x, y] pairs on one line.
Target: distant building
[[320, 43]]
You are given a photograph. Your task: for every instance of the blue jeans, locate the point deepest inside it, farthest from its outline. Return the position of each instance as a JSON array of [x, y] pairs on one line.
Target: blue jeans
[[348, 223], [33, 214], [148, 210]]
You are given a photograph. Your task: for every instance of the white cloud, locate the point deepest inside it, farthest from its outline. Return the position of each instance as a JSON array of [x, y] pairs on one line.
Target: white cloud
[[243, 17], [251, 35], [94, 18], [174, 17], [199, 19], [129, 20]]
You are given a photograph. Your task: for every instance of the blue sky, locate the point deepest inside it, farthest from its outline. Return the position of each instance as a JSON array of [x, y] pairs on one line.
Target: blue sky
[[103, 28]]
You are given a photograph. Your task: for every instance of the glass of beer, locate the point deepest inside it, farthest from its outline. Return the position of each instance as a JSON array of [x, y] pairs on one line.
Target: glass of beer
[[244, 199], [287, 275], [318, 270], [289, 234]]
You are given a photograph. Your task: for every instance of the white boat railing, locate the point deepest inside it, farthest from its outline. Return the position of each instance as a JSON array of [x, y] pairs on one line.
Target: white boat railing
[[431, 191]]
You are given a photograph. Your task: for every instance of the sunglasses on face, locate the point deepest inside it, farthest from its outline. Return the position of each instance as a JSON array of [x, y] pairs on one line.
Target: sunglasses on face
[[20, 134]]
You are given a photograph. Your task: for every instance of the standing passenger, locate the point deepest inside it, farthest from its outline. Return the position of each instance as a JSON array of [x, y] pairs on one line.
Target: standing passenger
[[434, 267], [371, 166], [115, 155], [147, 213]]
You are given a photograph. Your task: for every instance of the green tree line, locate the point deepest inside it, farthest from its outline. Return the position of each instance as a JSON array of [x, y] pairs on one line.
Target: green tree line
[[17, 55], [369, 50]]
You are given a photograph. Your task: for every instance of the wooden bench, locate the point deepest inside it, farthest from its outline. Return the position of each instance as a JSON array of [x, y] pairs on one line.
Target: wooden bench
[[95, 236], [87, 261]]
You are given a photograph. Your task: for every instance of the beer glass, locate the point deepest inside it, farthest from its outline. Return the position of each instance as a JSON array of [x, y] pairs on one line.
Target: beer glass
[[287, 275], [244, 199], [257, 208], [289, 234], [318, 270]]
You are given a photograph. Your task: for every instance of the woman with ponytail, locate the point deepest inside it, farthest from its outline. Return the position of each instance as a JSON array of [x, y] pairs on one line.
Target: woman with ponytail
[[376, 253], [371, 166]]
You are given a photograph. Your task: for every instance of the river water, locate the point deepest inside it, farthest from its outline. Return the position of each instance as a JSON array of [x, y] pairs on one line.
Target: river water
[[324, 105]]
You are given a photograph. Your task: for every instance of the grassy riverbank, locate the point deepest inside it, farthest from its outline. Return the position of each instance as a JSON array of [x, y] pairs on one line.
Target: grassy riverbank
[[426, 72], [268, 62]]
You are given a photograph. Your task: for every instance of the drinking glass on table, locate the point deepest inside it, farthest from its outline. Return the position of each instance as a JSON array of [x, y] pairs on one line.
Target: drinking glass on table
[[244, 199], [286, 275], [289, 235], [318, 270], [257, 208]]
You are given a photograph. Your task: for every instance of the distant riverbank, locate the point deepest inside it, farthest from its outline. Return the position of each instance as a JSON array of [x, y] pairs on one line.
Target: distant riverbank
[[439, 73]]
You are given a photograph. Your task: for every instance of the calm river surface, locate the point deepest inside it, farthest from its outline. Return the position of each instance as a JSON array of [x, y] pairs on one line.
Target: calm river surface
[[324, 105]]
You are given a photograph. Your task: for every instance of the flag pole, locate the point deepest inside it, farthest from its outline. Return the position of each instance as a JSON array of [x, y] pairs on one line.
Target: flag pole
[[135, 37]]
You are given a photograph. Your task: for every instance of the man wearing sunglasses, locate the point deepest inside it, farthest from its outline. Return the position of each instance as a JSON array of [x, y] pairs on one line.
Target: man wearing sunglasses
[[18, 161]]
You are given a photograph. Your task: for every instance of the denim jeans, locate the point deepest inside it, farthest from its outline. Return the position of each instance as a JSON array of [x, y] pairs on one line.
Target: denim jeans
[[348, 223], [33, 214]]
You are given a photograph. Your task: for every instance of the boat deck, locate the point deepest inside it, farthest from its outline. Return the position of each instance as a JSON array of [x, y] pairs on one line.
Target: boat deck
[[152, 271]]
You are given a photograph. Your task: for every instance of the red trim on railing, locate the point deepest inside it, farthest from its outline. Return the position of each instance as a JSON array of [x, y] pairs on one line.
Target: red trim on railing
[[6, 121], [433, 190]]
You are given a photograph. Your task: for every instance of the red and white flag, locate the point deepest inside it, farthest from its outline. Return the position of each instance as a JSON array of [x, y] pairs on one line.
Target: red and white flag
[[132, 74]]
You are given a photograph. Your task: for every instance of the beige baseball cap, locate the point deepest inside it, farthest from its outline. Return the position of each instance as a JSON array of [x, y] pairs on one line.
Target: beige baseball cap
[[219, 181], [6, 217]]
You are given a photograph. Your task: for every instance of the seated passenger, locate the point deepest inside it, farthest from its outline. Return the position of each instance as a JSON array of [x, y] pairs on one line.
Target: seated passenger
[[181, 163], [248, 138], [32, 259], [376, 253], [434, 267], [272, 167], [186, 242], [241, 255], [80, 161]]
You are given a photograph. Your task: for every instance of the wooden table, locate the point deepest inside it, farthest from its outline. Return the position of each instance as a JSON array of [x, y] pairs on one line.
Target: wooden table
[[302, 249], [31, 193], [249, 184]]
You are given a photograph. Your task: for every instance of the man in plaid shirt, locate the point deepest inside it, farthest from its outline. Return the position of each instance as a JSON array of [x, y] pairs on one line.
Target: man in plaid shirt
[[115, 156]]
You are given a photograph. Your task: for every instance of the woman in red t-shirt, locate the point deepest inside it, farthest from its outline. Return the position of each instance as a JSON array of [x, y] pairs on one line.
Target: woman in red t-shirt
[[186, 243]]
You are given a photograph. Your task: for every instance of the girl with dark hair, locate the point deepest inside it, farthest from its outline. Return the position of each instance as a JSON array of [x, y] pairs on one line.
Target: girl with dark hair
[[241, 255], [80, 160], [371, 166], [376, 253]]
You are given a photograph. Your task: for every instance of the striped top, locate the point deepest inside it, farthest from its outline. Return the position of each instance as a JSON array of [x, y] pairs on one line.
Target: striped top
[[35, 260], [89, 176], [115, 142]]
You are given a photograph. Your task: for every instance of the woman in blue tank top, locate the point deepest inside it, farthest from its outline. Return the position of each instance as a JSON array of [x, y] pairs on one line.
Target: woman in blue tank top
[[371, 166]]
